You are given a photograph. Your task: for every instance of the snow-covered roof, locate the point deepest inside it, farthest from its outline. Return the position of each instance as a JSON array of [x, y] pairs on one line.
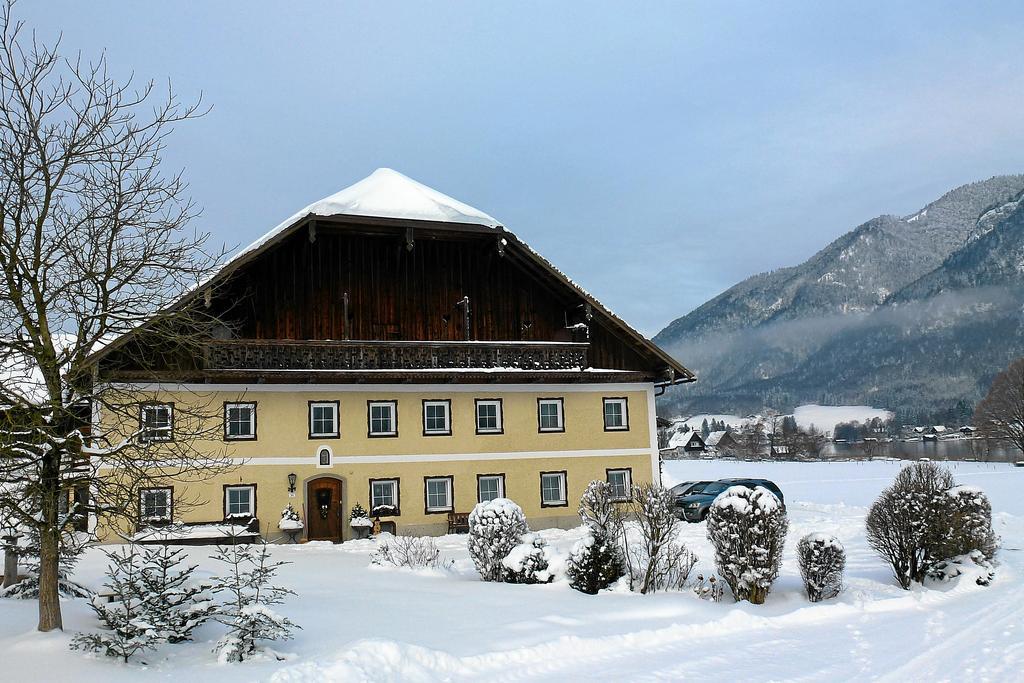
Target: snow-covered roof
[[715, 437], [385, 193]]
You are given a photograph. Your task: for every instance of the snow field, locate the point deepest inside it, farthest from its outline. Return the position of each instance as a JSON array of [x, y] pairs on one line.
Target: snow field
[[363, 623]]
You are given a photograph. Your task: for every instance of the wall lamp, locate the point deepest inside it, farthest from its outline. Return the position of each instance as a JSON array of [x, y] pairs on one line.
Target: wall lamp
[[291, 482]]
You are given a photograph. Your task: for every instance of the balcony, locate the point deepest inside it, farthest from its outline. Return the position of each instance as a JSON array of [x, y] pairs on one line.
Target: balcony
[[281, 354]]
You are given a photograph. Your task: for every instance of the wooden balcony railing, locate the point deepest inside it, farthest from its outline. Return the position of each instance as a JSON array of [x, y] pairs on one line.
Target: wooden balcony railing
[[281, 354]]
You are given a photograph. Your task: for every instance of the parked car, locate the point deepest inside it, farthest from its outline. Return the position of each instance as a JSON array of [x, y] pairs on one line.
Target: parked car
[[694, 506], [687, 487]]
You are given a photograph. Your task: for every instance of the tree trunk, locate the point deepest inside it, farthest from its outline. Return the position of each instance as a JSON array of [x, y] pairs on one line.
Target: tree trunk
[[10, 560], [49, 579]]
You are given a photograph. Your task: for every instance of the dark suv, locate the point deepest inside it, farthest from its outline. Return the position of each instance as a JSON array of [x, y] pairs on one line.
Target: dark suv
[[694, 507]]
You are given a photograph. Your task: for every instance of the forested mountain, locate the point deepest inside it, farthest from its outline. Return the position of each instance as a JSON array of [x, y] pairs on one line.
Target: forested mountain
[[912, 313]]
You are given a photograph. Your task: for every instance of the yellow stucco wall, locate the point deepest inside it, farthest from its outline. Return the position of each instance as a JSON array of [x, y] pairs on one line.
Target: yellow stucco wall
[[584, 450]]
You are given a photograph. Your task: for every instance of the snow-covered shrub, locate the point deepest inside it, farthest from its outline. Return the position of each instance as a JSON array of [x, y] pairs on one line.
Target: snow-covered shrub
[[290, 519], [822, 560], [747, 528], [71, 547], [129, 628], [708, 589], [600, 510], [174, 603], [655, 560], [495, 528], [595, 563], [247, 611], [967, 516], [923, 519], [409, 551], [973, 565], [528, 562]]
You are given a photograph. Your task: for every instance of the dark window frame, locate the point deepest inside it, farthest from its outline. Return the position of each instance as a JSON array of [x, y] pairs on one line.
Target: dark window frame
[[170, 506], [629, 482], [369, 418], [336, 434], [448, 408], [142, 421], [565, 489], [500, 416], [561, 413], [398, 495], [224, 501], [451, 494], [500, 475], [232, 404], [625, 413]]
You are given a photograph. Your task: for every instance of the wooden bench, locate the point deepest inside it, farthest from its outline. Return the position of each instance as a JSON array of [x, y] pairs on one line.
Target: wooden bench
[[458, 522]]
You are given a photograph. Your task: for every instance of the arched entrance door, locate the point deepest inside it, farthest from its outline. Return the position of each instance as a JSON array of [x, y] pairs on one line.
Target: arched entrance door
[[323, 509]]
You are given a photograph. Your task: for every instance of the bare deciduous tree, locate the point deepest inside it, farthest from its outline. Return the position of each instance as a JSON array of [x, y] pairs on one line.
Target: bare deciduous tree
[[94, 241], [1000, 415]]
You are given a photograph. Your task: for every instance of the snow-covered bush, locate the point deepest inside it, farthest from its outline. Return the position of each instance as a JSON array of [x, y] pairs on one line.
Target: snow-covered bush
[[822, 560], [247, 611], [973, 565], [747, 528], [290, 519], [71, 547], [708, 589], [595, 563], [528, 562], [495, 528], [174, 603], [923, 519], [600, 510], [409, 551], [129, 629], [655, 560], [967, 516]]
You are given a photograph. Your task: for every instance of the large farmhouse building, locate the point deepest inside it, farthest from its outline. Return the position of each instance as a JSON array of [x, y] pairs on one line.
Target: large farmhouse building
[[392, 347]]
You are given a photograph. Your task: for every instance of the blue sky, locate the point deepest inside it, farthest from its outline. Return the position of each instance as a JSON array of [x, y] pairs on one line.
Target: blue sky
[[657, 153]]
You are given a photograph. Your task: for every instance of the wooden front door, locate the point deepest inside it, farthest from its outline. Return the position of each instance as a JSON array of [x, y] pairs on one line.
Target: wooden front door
[[323, 509]]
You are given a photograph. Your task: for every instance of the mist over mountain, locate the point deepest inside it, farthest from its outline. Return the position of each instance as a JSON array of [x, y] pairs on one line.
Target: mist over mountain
[[914, 314]]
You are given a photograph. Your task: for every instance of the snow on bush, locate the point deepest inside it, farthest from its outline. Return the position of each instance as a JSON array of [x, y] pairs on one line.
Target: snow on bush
[[414, 552], [972, 565], [968, 517], [247, 611], [600, 510], [655, 560], [595, 563], [747, 528], [176, 605], [359, 517], [495, 528], [290, 519], [922, 519], [822, 560], [528, 562]]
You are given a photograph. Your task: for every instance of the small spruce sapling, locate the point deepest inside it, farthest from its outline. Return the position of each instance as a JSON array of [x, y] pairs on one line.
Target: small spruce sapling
[[175, 603], [596, 561], [127, 617], [247, 612]]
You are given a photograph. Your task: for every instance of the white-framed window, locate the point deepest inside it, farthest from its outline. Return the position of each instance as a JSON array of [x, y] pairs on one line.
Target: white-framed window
[[323, 420], [383, 418], [384, 497], [438, 494], [239, 421], [156, 421], [550, 416], [155, 504], [437, 418], [621, 481], [489, 487], [324, 457], [488, 416], [240, 500], [552, 489], [616, 415]]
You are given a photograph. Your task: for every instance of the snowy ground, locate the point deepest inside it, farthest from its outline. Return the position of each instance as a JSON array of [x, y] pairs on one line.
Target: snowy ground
[[824, 418], [363, 623]]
